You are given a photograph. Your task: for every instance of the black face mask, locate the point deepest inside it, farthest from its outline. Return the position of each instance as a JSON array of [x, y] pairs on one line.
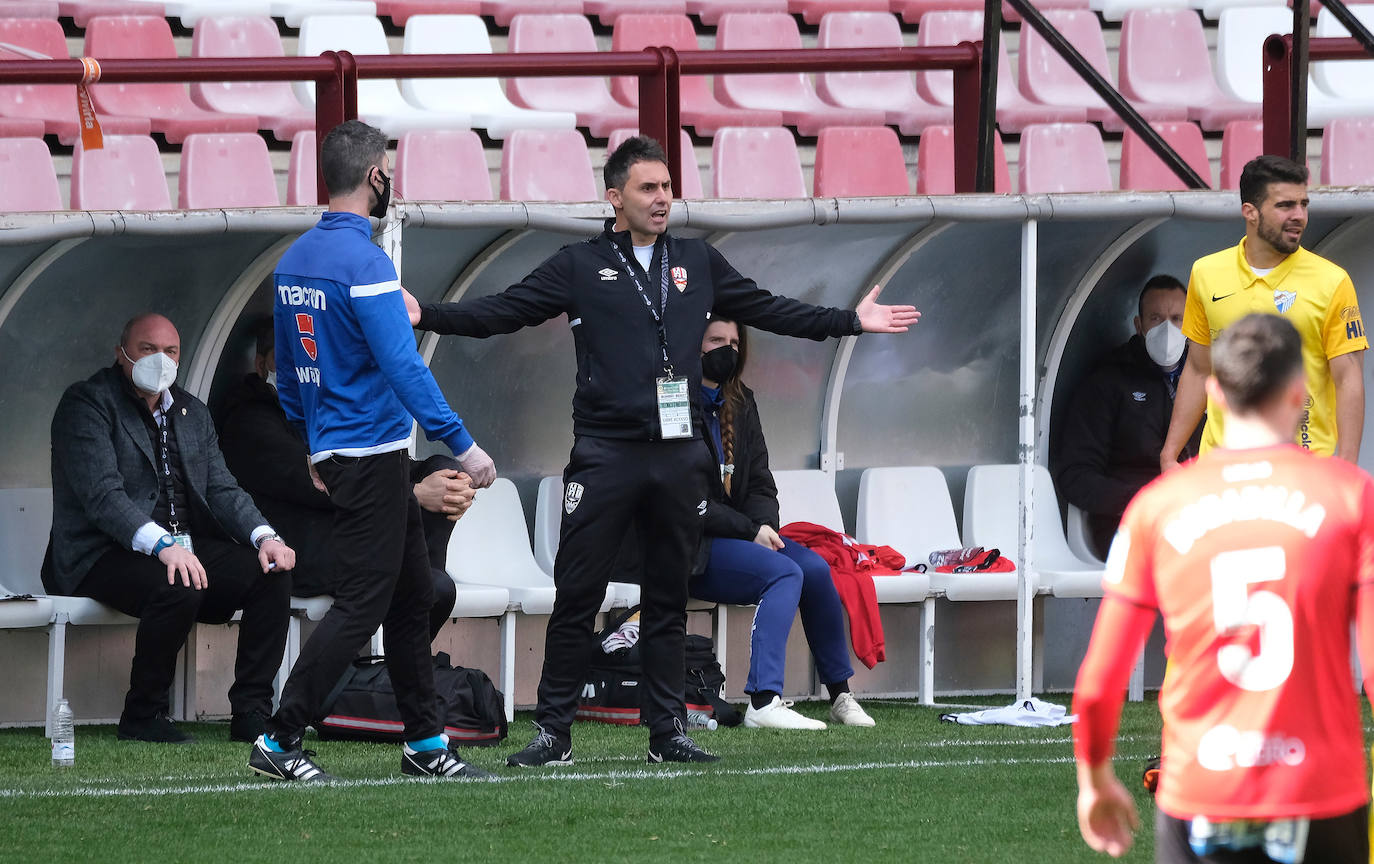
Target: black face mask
[[718, 364], [383, 198]]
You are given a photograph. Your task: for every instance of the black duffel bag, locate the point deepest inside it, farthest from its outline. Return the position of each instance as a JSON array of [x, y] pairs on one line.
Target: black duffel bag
[[362, 706]]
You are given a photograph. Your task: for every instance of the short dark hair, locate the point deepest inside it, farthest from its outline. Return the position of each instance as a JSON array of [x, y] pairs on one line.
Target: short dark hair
[[1157, 282], [348, 151], [1255, 358], [1259, 172], [640, 148], [264, 336]]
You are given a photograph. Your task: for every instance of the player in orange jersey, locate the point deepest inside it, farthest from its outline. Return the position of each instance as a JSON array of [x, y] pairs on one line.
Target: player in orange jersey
[[1259, 555]]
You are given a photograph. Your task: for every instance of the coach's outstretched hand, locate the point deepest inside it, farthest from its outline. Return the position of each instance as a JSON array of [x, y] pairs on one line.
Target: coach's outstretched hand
[[874, 317], [1106, 813]]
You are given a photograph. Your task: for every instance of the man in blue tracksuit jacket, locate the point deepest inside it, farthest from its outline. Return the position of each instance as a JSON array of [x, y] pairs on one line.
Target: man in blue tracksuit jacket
[[350, 381]]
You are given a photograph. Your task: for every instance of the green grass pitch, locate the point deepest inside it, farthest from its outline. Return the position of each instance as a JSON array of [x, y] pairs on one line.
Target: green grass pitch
[[913, 789]]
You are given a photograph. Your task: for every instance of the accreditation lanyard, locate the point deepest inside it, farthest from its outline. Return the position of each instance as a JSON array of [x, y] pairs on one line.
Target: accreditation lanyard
[[674, 406], [181, 538]]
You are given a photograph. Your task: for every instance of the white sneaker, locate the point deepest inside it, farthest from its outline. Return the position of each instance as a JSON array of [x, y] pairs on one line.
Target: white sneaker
[[847, 711], [778, 715]]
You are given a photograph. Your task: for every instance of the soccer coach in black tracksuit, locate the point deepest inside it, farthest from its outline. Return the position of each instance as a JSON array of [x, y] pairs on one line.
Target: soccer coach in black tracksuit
[[638, 301]]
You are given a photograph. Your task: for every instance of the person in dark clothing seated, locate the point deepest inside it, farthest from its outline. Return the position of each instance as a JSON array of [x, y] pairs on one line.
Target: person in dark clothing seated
[[743, 560], [1109, 443], [269, 460]]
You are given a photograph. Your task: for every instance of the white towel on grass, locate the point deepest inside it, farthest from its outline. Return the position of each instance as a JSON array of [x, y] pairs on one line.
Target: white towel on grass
[[1032, 712]]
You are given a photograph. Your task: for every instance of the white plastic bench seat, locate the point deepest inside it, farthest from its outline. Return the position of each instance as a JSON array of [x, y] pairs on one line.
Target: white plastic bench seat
[[21, 614], [548, 516]]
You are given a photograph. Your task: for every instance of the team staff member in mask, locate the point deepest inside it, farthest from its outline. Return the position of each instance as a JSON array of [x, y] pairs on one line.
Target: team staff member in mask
[[1109, 443], [637, 300]]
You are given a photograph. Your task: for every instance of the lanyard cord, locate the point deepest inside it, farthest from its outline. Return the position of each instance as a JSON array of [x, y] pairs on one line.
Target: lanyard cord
[[167, 474], [644, 295]]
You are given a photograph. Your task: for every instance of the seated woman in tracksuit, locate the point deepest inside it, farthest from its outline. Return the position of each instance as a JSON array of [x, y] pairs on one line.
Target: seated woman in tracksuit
[[743, 561]]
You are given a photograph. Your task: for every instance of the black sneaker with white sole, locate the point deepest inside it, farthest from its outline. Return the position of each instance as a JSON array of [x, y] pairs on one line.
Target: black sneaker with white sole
[[678, 748], [439, 763], [544, 749], [294, 765]]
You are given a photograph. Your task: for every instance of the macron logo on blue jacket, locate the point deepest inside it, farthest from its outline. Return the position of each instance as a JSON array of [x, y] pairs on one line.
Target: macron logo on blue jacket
[[348, 375]]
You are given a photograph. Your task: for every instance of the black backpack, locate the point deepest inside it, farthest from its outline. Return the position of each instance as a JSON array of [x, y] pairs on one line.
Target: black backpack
[[362, 706]]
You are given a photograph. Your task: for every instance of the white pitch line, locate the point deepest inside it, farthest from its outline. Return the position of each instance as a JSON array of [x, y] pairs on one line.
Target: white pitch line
[[545, 776]]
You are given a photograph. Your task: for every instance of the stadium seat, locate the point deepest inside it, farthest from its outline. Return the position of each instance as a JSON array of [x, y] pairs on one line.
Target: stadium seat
[[1115, 10], [21, 127], [691, 170], [1063, 157], [608, 12], [1047, 79], [276, 106], [890, 92], [1078, 531], [1181, 76], [442, 166], [859, 161], [30, 9], [548, 517], [503, 12], [699, 107], [54, 105], [1345, 81], [991, 517], [935, 163], [125, 174], [1240, 37], [302, 171], [1014, 111], [812, 11], [226, 171], [379, 99], [189, 12], [1142, 170], [481, 98], [788, 92], [28, 182], [1212, 9], [709, 11], [586, 96], [547, 165], [82, 11], [752, 162], [168, 109], [1241, 141], [293, 12], [1348, 152], [914, 11], [401, 11]]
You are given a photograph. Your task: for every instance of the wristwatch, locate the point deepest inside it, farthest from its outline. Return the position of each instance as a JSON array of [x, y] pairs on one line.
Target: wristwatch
[[264, 538], [163, 544]]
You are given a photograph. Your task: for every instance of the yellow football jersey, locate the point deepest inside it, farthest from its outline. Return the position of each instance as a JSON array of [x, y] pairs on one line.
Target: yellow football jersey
[[1314, 294]]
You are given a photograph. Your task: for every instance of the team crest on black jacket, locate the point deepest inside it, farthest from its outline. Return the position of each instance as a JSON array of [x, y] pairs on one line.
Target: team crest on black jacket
[[572, 496]]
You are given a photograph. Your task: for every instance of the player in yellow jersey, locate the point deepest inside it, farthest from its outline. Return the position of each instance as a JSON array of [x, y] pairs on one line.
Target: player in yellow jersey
[[1270, 272]]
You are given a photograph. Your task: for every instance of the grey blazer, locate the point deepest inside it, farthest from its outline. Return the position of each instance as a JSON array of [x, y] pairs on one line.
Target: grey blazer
[[105, 480]]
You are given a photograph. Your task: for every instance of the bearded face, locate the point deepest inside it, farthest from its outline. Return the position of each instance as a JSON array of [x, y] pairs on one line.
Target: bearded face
[[1282, 218]]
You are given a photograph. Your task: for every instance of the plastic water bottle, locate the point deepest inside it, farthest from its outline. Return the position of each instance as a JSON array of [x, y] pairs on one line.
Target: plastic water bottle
[[63, 735], [700, 720]]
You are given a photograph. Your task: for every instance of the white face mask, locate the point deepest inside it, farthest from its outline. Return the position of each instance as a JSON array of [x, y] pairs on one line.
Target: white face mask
[[272, 378], [152, 373], [1165, 343]]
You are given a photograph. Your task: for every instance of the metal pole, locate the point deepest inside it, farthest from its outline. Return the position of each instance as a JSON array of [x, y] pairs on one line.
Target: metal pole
[[653, 105], [672, 104], [987, 102], [1025, 575], [329, 112], [1278, 93], [968, 111], [1297, 106]]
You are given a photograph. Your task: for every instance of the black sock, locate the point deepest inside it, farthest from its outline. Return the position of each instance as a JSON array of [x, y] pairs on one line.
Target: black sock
[[836, 689], [762, 698]]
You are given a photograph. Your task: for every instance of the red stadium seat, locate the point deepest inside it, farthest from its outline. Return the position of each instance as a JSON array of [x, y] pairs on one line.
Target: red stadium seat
[[27, 179], [587, 97], [1014, 111], [547, 165], [752, 162], [691, 171], [609, 11], [891, 92], [442, 166], [1142, 170], [226, 171], [935, 163], [82, 11], [812, 11], [700, 109], [1180, 76], [399, 11], [166, 105], [29, 9], [302, 171], [54, 105], [21, 127], [859, 161], [1047, 79], [504, 11], [788, 92], [1348, 152], [1241, 141], [1063, 157], [709, 11], [125, 174], [276, 106]]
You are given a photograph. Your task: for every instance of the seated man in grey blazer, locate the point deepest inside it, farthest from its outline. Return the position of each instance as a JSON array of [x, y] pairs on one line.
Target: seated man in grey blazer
[[147, 519]]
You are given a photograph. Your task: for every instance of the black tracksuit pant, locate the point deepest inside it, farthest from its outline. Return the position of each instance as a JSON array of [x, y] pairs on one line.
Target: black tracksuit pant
[[662, 485], [383, 578]]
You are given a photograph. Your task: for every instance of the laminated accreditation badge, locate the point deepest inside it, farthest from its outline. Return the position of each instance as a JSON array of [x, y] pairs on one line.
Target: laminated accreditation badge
[[674, 408]]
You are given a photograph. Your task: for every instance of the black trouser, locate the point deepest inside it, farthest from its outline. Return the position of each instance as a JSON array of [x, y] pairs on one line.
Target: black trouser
[[662, 486], [383, 578], [314, 577], [1338, 840], [136, 584]]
